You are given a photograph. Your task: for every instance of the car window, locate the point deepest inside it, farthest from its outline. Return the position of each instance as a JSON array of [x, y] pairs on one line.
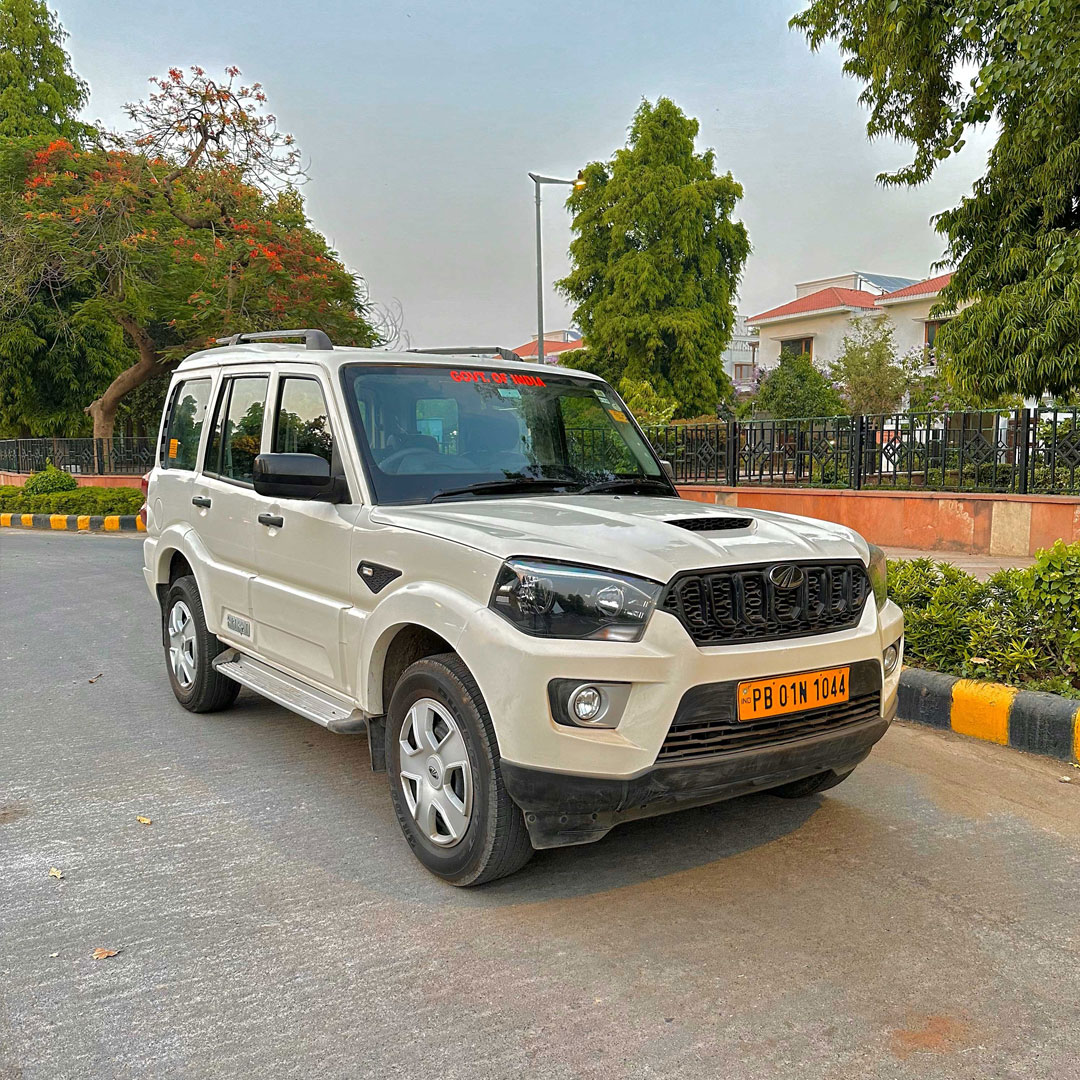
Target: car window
[[237, 432], [438, 418], [593, 444], [187, 412], [302, 425]]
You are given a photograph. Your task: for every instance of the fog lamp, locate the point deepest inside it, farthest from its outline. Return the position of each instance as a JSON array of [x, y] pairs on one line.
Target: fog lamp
[[587, 703], [891, 657]]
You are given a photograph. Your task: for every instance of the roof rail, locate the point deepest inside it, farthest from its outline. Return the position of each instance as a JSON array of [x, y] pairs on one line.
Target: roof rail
[[508, 355], [313, 339]]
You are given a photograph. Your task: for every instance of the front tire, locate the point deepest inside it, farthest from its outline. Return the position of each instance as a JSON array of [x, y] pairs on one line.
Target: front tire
[[190, 650], [442, 762]]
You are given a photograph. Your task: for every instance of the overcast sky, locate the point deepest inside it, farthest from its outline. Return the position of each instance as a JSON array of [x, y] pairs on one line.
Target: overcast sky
[[420, 120]]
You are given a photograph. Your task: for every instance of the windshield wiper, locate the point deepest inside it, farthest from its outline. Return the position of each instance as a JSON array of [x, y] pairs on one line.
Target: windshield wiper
[[498, 487], [616, 484]]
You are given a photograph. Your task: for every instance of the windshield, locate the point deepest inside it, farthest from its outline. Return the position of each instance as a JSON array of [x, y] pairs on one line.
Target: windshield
[[431, 433]]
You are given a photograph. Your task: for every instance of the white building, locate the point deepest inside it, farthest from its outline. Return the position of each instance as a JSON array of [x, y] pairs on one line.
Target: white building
[[740, 357], [819, 317]]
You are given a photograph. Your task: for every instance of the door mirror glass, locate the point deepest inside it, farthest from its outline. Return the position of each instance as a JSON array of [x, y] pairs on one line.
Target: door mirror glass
[[294, 476]]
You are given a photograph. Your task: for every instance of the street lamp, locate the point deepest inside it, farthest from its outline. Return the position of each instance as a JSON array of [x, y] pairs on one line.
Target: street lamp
[[538, 180]]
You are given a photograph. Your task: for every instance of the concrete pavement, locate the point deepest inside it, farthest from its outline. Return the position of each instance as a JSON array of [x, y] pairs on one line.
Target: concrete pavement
[[920, 920], [980, 566]]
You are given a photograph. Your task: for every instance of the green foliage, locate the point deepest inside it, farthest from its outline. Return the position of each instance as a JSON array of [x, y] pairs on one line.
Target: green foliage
[[796, 388], [83, 500], [656, 262], [648, 407], [40, 96], [49, 481], [1015, 241], [869, 378], [1019, 627]]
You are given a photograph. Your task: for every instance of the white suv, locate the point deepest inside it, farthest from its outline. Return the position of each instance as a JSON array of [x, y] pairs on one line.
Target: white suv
[[484, 565]]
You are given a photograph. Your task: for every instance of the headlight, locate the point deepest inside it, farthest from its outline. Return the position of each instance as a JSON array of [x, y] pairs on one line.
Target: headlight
[[879, 575], [551, 600]]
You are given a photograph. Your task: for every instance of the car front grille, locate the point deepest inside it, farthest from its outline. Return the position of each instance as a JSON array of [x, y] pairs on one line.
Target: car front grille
[[727, 607]]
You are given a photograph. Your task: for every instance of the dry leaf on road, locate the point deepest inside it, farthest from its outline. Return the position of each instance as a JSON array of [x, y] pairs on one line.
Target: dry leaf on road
[[144, 821], [103, 954], [56, 873], [97, 676]]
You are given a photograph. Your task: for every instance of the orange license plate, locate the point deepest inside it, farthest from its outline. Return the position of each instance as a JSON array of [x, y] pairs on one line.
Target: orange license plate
[[793, 693]]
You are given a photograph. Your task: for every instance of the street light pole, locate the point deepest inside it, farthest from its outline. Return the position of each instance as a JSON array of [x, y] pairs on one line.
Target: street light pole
[[537, 181]]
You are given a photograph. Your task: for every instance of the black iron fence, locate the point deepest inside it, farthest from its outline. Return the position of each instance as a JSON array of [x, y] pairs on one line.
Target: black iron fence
[[87, 457], [1020, 451]]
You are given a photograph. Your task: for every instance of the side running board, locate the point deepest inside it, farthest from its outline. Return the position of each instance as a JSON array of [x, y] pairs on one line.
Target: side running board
[[330, 711]]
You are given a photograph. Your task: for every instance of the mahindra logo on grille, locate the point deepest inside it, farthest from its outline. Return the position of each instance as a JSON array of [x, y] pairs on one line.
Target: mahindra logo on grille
[[786, 576]]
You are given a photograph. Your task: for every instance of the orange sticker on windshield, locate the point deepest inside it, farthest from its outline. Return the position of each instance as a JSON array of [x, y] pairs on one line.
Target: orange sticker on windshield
[[619, 416], [500, 378], [174, 447]]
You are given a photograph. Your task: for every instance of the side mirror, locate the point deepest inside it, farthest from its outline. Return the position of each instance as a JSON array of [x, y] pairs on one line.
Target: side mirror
[[293, 476], [668, 470]]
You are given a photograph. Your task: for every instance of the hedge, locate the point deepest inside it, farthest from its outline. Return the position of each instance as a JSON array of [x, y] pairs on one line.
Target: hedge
[[1020, 627], [84, 500]]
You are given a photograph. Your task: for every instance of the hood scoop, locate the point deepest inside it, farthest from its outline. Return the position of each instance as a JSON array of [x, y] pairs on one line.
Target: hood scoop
[[712, 524]]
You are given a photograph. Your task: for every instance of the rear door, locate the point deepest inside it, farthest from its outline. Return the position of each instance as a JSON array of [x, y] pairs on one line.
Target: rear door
[[303, 548], [224, 503]]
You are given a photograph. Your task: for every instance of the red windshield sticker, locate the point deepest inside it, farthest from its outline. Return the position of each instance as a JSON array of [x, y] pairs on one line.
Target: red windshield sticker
[[499, 378]]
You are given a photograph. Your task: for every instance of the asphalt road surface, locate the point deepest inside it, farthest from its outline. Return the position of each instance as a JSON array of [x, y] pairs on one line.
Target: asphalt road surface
[[920, 920]]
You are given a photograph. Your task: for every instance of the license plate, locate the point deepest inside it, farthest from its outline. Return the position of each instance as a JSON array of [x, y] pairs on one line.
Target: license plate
[[793, 693]]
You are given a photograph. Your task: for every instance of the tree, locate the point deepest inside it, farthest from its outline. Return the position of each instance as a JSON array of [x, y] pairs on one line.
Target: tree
[[1015, 241], [648, 407], [866, 372], [795, 388], [178, 234], [656, 261], [39, 93]]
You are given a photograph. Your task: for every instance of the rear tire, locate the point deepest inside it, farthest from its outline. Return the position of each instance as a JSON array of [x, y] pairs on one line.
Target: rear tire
[[442, 762], [190, 650], [810, 785]]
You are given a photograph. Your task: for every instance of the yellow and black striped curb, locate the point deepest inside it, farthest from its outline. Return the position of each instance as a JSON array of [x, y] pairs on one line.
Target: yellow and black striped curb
[[74, 522], [1024, 719]]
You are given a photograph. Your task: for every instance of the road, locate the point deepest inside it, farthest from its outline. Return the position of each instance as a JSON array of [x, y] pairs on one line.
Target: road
[[920, 920]]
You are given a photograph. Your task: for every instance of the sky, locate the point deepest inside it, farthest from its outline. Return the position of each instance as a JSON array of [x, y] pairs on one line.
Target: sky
[[421, 119]]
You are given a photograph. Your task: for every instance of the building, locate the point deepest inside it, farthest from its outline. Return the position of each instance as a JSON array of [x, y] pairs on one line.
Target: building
[[820, 316], [555, 342], [740, 357]]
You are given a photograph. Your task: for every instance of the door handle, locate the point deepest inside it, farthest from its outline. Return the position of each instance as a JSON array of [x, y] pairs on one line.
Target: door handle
[[201, 500], [271, 520]]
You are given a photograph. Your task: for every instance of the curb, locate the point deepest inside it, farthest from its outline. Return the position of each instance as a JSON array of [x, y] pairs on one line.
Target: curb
[[1028, 720], [74, 522]]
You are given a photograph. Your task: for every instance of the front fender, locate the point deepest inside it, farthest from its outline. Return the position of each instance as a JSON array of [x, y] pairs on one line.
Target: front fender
[[431, 606]]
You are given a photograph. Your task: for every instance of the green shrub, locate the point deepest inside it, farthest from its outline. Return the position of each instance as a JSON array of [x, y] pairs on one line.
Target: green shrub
[[83, 500], [1020, 627], [49, 480]]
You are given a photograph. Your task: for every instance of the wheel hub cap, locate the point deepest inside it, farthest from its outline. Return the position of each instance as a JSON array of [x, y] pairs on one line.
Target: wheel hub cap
[[434, 771], [183, 645]]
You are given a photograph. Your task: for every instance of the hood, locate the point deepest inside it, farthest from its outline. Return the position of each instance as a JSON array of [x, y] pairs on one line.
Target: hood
[[634, 534]]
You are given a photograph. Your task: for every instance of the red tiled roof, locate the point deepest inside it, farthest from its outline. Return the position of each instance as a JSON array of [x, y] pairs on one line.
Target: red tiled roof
[[928, 287], [822, 300], [550, 348]]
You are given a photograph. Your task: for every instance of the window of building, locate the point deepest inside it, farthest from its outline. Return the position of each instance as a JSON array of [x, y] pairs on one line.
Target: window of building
[[932, 327], [303, 422], [187, 411], [797, 346], [744, 373]]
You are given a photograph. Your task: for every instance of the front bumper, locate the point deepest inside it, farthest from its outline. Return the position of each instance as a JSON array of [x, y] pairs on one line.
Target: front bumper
[[565, 808]]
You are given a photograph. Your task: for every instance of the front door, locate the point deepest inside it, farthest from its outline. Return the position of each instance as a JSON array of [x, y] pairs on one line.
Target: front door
[[303, 548]]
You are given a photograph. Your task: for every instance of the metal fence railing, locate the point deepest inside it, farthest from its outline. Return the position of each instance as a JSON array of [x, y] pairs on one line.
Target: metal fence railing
[[1020, 451], [85, 457]]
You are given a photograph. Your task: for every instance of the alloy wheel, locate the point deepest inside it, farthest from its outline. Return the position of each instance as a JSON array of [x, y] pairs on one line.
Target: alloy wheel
[[435, 776], [183, 645]]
